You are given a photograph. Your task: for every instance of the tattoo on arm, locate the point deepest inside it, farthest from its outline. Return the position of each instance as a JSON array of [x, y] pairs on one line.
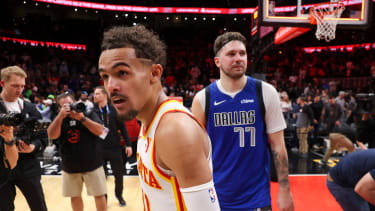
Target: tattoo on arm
[[281, 165]]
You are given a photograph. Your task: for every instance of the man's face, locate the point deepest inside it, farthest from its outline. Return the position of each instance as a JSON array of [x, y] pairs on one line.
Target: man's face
[[126, 79], [65, 100], [13, 88], [316, 98], [232, 59], [83, 97], [99, 96]]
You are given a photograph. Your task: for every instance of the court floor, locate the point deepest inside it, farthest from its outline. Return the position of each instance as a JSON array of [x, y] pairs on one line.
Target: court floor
[[309, 193]]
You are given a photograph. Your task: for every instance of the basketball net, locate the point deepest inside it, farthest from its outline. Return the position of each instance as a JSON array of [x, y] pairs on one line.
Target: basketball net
[[326, 16]]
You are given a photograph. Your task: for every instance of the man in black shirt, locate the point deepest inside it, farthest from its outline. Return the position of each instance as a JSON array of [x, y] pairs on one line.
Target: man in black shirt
[[111, 147], [78, 137], [27, 173]]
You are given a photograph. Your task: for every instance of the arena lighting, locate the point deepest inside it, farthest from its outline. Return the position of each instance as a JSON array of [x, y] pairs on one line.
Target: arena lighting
[[193, 10], [348, 48], [63, 46], [129, 8]]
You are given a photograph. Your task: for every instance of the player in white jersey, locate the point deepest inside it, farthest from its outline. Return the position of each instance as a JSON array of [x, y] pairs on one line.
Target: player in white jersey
[[174, 149]]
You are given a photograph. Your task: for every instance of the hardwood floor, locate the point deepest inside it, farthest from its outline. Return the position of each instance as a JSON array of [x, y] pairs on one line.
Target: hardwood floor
[[55, 201]]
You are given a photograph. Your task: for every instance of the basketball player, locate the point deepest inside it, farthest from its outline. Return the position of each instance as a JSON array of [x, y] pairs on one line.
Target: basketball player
[[173, 150], [240, 123]]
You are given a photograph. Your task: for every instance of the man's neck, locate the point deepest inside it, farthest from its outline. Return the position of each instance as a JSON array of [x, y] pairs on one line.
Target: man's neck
[[102, 104], [148, 112], [233, 84], [8, 98]]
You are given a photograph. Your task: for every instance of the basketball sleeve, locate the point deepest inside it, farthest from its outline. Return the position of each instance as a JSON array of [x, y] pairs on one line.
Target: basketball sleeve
[[201, 97], [274, 117], [201, 197]]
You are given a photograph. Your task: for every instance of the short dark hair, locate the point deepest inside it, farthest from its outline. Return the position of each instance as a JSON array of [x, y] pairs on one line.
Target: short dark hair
[[64, 95], [102, 89], [226, 38], [146, 43]]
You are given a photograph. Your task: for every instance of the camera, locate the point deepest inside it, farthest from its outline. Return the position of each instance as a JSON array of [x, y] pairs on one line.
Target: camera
[[366, 102], [78, 107], [11, 119]]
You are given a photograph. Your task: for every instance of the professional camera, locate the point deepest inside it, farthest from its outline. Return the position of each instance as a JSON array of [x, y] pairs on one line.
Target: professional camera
[[366, 102], [78, 107], [11, 119], [30, 128]]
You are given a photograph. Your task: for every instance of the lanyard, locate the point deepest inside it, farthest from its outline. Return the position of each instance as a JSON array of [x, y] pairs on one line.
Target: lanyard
[[102, 115]]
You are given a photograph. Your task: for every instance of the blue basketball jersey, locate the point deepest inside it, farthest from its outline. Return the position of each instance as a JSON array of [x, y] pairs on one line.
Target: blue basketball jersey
[[241, 163]]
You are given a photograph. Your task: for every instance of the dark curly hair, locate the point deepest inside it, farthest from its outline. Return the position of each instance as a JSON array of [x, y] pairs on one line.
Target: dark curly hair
[[226, 38], [146, 43]]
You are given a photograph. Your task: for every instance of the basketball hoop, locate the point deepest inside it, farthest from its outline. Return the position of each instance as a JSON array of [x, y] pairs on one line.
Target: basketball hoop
[[326, 16]]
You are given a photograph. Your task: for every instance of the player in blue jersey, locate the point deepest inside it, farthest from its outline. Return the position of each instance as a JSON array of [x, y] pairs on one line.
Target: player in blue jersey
[[243, 119]]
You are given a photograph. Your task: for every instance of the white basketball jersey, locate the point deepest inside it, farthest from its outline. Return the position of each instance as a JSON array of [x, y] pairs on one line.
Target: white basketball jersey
[[160, 189]]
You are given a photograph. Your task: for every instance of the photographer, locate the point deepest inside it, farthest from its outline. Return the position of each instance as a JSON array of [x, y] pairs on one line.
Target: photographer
[[27, 173], [77, 136]]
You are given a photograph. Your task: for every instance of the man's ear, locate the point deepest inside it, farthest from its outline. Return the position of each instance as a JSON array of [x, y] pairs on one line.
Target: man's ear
[[156, 72], [217, 62], [2, 83]]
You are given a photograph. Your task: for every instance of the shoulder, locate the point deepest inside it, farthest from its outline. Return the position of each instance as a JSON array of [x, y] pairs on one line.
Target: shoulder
[[267, 88], [201, 95], [178, 128]]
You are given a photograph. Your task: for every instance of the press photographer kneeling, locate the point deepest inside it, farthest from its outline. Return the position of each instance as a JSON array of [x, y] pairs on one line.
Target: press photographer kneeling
[[26, 174]]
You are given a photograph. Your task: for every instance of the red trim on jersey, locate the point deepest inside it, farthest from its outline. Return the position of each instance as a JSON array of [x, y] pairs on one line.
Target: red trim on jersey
[[144, 132], [179, 196]]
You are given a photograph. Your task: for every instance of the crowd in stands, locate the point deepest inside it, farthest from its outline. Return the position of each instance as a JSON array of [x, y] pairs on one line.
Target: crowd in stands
[[314, 78]]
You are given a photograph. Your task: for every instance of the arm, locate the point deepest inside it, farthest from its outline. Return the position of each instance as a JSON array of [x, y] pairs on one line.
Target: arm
[[366, 188], [93, 126], [198, 110], [54, 129], [124, 132], [280, 156], [11, 152], [182, 146]]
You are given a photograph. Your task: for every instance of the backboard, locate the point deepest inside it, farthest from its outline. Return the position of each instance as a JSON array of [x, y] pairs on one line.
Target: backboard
[[357, 13]]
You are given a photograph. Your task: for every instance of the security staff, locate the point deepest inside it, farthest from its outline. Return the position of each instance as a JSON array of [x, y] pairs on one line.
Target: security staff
[[111, 148]]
